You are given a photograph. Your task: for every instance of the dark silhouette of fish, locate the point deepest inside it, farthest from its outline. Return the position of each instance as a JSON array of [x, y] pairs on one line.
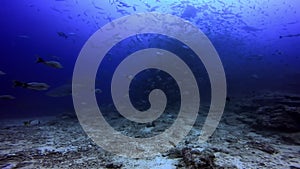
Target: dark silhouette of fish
[[62, 34], [53, 64], [2, 73], [6, 97], [66, 90], [290, 36], [31, 85], [123, 4]]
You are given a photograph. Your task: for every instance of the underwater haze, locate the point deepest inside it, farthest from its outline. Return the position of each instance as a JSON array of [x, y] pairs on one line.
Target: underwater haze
[[257, 41]]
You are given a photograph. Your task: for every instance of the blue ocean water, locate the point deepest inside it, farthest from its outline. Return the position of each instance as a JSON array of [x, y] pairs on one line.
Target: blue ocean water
[[257, 42]]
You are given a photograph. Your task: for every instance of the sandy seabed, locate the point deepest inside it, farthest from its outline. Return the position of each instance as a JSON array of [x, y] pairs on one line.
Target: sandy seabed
[[260, 131]]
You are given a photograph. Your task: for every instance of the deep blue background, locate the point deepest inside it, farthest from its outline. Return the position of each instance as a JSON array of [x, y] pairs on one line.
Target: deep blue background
[[245, 34]]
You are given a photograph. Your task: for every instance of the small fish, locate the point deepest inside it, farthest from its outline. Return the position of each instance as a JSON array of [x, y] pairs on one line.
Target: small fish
[[52, 63], [122, 4], [257, 57], [97, 7], [184, 46], [98, 91], [111, 1], [31, 85], [123, 12], [31, 122], [2, 73], [290, 36], [129, 77], [251, 29], [154, 8], [6, 97], [147, 5], [23, 37], [72, 34], [62, 34], [66, 90], [255, 76]]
